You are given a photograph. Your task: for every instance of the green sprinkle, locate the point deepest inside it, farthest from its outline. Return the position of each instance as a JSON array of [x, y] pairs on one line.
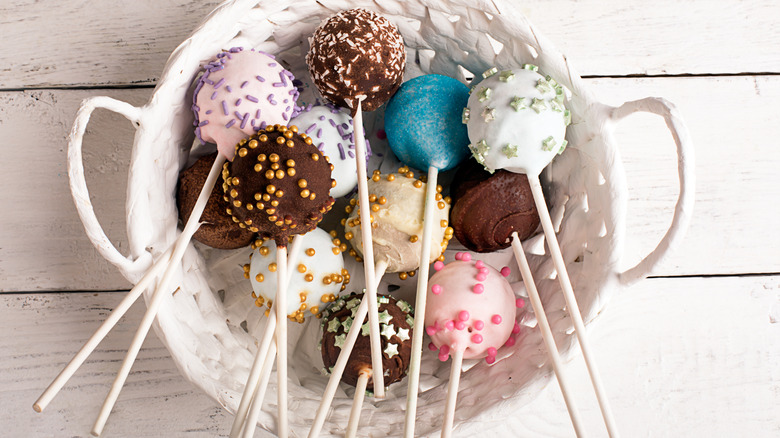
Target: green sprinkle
[[548, 143], [365, 330], [559, 94], [348, 323], [538, 105], [567, 117], [484, 94], [506, 76], [489, 114], [518, 103], [543, 86], [410, 321], [510, 150], [391, 350], [333, 325], [490, 72], [466, 113], [530, 67], [563, 147], [553, 83], [404, 306], [557, 106], [354, 302], [382, 299], [340, 340]]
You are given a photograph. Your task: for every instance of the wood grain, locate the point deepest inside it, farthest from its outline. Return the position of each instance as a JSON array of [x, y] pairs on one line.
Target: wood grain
[[680, 357], [116, 43]]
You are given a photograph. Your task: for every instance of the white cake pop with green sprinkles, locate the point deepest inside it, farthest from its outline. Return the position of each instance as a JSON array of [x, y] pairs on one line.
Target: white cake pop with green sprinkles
[[516, 120]]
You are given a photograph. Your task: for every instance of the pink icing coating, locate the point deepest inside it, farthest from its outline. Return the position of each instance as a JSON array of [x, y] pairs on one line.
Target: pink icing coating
[[460, 311], [233, 102]]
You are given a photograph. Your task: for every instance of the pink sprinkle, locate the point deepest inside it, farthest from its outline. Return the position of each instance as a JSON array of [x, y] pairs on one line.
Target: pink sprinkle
[[490, 360], [431, 347], [460, 325], [458, 255], [505, 271], [481, 277], [463, 315], [445, 349], [519, 303], [438, 266], [381, 134], [436, 289], [510, 342], [479, 325], [476, 338], [492, 351], [443, 357], [479, 288], [466, 257], [479, 264], [449, 325], [431, 330], [484, 270], [516, 329], [496, 319]]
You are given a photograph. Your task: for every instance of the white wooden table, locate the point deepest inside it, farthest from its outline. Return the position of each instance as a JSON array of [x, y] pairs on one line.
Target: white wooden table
[[693, 351]]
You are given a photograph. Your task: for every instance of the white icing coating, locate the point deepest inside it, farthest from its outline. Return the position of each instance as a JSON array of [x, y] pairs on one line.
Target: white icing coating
[[330, 128], [516, 121], [309, 291]]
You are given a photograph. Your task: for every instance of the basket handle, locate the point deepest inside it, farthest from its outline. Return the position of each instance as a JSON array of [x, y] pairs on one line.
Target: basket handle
[[687, 178], [78, 184]]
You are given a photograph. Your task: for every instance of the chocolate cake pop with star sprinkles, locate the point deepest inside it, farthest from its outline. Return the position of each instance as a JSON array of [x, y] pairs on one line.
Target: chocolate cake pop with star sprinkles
[[357, 54], [396, 318], [278, 184]]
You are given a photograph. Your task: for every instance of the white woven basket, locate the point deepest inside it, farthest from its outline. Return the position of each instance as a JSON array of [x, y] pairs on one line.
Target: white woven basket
[[210, 325]]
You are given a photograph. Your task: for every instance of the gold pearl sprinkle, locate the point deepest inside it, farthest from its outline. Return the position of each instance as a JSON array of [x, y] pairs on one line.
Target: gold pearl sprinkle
[[288, 134], [237, 203], [258, 167], [270, 188], [290, 171], [409, 174], [353, 202], [375, 178], [274, 203], [302, 297], [349, 235], [411, 273], [290, 143], [336, 251], [280, 174], [269, 174], [293, 128], [302, 183], [250, 207], [375, 207], [371, 198], [439, 188], [448, 200], [315, 157], [308, 141], [264, 250], [403, 169], [305, 193], [327, 280], [443, 223], [332, 183], [260, 278], [242, 152], [274, 158], [308, 277], [403, 275], [382, 200], [263, 138], [235, 219], [254, 229], [235, 180], [248, 221], [272, 267], [275, 166], [333, 234], [252, 144], [348, 209], [315, 310], [272, 218], [313, 196], [279, 223], [301, 268], [438, 197], [229, 211], [261, 157], [266, 197], [280, 140], [271, 211], [391, 177], [270, 128], [310, 252], [258, 196], [441, 205], [290, 163], [234, 193], [413, 239], [279, 193], [418, 184], [241, 225]]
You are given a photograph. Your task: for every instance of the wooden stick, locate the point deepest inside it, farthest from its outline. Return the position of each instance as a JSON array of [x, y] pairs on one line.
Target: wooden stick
[[368, 252], [419, 306], [341, 362], [265, 354], [547, 335], [159, 294], [113, 318], [571, 303], [281, 340], [249, 426], [452, 393], [357, 403]]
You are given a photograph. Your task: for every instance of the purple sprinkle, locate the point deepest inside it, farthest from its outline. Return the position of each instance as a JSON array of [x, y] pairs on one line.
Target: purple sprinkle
[[344, 125], [332, 123], [251, 98], [230, 123], [263, 124], [227, 87], [244, 84], [340, 130], [236, 49], [341, 152], [310, 128], [257, 114], [350, 121], [225, 108], [283, 77], [352, 155], [287, 110], [244, 120], [203, 123], [208, 112], [320, 146], [278, 84], [208, 81], [319, 133], [272, 64], [285, 116], [238, 102], [285, 100], [214, 95], [195, 108], [238, 115], [260, 78], [219, 84], [322, 117]]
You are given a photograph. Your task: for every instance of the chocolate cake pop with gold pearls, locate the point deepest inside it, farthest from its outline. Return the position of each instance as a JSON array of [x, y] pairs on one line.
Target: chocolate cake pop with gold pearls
[[278, 184], [357, 54], [396, 319]]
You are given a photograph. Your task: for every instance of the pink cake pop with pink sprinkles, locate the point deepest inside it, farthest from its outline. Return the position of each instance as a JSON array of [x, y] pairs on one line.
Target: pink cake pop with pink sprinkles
[[471, 307], [240, 92]]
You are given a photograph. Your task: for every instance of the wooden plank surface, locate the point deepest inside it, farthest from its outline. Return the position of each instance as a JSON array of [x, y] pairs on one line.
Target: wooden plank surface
[[668, 369], [115, 42], [731, 120]]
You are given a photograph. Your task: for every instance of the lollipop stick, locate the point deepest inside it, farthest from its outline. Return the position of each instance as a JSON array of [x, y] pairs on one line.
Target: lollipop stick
[[281, 339], [571, 303], [419, 313], [368, 252], [161, 292], [357, 403], [452, 393], [544, 326], [259, 394], [56, 385], [341, 362], [265, 354]]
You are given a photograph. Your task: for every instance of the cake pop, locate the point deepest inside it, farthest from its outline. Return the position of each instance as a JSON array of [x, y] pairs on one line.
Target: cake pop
[[488, 208], [517, 121], [396, 325], [217, 229], [330, 129], [356, 59]]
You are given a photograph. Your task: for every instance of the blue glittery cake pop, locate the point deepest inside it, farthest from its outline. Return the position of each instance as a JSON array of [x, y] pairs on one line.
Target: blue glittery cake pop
[[423, 122]]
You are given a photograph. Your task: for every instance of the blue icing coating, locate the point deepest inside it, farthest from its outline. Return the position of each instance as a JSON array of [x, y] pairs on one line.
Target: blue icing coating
[[423, 121]]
